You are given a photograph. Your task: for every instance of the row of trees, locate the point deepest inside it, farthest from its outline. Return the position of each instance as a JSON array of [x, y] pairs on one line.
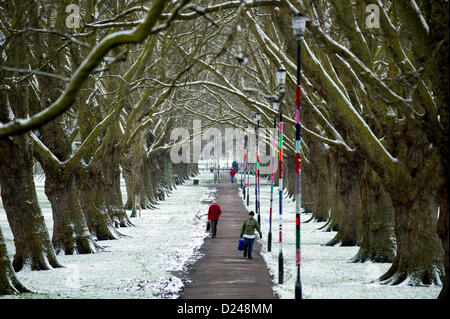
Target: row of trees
[[374, 116], [385, 93], [110, 128]]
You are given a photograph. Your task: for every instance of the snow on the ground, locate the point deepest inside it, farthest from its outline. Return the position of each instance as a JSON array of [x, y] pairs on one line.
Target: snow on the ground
[[165, 242], [325, 271], [148, 264]]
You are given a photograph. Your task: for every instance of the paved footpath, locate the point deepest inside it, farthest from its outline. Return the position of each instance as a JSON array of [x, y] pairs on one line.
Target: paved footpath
[[223, 272]]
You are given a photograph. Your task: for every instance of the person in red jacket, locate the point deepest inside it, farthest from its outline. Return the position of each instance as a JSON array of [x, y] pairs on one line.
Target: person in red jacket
[[232, 173], [214, 212]]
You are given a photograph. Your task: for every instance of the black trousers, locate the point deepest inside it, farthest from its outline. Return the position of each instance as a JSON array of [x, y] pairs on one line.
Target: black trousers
[[214, 227]]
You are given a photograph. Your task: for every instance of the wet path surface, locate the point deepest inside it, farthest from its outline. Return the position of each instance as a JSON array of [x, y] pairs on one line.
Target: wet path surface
[[223, 272]]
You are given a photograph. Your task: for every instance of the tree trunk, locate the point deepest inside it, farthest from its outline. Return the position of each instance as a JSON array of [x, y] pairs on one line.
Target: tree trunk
[[151, 180], [443, 230], [414, 195], [419, 258], [137, 178], [33, 246], [168, 174], [377, 244], [70, 231], [113, 195], [327, 193], [9, 284], [181, 172], [438, 22], [127, 175], [91, 192], [307, 191], [194, 169], [322, 181], [289, 177], [157, 161], [348, 200]]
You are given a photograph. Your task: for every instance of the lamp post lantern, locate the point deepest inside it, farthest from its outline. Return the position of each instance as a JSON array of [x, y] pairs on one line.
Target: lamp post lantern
[[281, 79], [275, 105], [298, 26]]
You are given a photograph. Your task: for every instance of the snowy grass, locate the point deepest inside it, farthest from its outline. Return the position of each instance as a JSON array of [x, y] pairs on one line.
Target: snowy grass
[[166, 240], [325, 271], [148, 264]]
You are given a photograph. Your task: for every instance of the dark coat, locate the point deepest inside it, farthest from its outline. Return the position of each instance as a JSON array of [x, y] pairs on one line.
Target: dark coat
[[214, 212]]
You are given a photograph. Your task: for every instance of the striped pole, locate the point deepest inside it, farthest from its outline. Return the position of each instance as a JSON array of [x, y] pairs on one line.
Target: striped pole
[[298, 136], [240, 164], [256, 184], [259, 195], [281, 79], [269, 238], [280, 179], [248, 178], [257, 206], [248, 183], [298, 27], [280, 198], [244, 167]]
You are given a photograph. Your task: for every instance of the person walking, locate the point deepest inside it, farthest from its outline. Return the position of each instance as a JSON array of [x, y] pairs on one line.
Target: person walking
[[215, 175], [235, 166], [248, 232], [214, 212], [232, 173]]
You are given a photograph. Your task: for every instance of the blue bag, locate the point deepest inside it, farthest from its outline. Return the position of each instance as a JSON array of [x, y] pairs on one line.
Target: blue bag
[[241, 244]]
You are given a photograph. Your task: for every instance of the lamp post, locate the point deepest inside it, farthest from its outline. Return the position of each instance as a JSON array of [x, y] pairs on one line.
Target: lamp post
[[275, 105], [248, 174], [218, 170], [244, 166], [281, 79], [298, 26], [240, 164], [257, 204]]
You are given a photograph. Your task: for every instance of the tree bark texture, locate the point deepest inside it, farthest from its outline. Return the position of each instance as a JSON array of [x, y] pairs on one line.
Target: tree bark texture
[[91, 193], [33, 246], [348, 200], [9, 284], [378, 240]]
